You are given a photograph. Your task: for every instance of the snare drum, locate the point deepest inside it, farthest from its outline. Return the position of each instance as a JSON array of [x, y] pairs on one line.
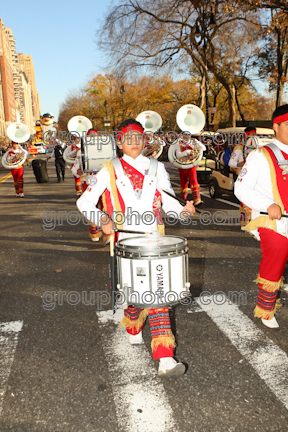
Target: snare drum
[[96, 150], [152, 271]]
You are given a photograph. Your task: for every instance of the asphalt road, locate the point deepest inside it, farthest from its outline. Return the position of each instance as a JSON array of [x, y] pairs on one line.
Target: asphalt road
[[67, 367]]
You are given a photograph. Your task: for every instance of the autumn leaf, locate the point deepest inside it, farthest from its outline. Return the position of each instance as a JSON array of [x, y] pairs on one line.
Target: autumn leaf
[[58, 270]]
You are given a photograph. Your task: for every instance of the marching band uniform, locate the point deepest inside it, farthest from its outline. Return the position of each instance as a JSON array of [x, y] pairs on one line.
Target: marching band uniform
[[17, 173], [85, 180], [260, 184], [133, 187], [187, 175], [72, 152], [236, 158]]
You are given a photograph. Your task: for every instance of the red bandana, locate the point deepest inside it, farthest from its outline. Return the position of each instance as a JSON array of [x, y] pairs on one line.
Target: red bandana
[[251, 132], [281, 118], [129, 128]]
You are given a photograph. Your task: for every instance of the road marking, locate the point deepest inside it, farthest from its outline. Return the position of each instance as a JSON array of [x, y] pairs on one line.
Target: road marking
[[8, 343], [208, 196], [139, 395], [3, 179], [221, 200], [268, 360]]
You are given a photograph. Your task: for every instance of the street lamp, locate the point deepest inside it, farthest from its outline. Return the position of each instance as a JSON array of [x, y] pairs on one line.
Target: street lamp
[[207, 21], [122, 90]]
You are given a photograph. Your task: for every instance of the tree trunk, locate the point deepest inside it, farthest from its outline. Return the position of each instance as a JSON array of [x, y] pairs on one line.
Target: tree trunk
[[232, 110], [201, 100], [239, 108]]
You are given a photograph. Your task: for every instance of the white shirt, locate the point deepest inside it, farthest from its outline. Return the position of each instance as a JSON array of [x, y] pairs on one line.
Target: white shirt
[[236, 157], [88, 201], [254, 186]]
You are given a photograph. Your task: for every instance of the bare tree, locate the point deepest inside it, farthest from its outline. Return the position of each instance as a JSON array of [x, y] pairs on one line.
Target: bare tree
[[154, 34]]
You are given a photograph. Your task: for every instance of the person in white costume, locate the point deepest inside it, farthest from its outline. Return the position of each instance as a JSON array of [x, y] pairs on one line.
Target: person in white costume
[[262, 185], [132, 186]]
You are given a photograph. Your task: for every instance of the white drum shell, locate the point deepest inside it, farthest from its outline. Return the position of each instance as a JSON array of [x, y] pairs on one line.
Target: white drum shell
[[148, 280], [97, 151]]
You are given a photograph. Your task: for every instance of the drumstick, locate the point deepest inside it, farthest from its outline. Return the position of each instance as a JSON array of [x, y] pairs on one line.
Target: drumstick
[[181, 201], [131, 232], [266, 214]]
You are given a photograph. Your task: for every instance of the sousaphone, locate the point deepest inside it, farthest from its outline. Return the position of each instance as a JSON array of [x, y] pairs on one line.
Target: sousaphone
[[78, 125], [19, 133], [190, 119], [151, 122]]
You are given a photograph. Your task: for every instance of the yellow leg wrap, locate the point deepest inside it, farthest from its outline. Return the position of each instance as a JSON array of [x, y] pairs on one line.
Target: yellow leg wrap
[[261, 313], [128, 324], [269, 286], [166, 341]]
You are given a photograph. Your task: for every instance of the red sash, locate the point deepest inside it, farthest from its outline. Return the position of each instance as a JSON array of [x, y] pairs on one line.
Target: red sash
[[281, 178]]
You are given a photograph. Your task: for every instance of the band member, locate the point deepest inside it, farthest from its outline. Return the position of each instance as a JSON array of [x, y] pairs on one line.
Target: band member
[[236, 163], [136, 198], [17, 173], [250, 143], [87, 179], [263, 186], [72, 152], [182, 149], [57, 152]]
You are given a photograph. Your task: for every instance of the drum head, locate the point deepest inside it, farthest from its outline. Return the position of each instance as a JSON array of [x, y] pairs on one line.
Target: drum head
[[149, 242]]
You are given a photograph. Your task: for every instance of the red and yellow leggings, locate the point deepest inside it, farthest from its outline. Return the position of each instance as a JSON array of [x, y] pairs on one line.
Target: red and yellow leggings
[[163, 340], [274, 249]]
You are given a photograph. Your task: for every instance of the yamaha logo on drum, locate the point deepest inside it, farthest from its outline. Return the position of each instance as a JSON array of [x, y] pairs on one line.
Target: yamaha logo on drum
[[160, 281]]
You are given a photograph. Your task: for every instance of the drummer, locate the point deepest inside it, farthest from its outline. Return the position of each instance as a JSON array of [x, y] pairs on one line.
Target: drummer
[[135, 198]]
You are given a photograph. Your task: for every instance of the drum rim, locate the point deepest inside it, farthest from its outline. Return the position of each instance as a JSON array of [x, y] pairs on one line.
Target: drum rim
[[120, 243], [147, 252]]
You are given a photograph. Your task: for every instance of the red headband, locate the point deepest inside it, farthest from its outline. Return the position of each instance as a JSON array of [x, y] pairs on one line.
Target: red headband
[[251, 131], [281, 118], [92, 130], [129, 128]]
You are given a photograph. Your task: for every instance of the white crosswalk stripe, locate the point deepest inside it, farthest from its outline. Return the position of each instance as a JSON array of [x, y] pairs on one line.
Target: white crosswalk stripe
[[139, 395], [8, 343], [268, 360]]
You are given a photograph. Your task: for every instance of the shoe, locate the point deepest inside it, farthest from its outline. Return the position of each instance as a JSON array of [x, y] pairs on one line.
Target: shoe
[[63, 179], [168, 366], [79, 194], [22, 195], [136, 339], [197, 202], [272, 323], [285, 287], [17, 195], [95, 239], [58, 181]]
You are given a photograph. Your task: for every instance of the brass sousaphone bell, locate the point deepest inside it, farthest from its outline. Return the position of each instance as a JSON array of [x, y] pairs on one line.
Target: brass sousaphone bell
[[151, 122], [191, 119], [80, 126], [19, 133]]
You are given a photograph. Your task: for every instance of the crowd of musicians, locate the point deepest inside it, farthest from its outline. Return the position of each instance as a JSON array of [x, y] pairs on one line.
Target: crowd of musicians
[[131, 180]]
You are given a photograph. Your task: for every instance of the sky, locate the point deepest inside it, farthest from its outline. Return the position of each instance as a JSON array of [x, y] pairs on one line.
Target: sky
[[61, 37]]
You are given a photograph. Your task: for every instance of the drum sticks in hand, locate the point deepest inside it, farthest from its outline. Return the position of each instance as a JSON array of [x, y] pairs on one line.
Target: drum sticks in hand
[[181, 201]]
